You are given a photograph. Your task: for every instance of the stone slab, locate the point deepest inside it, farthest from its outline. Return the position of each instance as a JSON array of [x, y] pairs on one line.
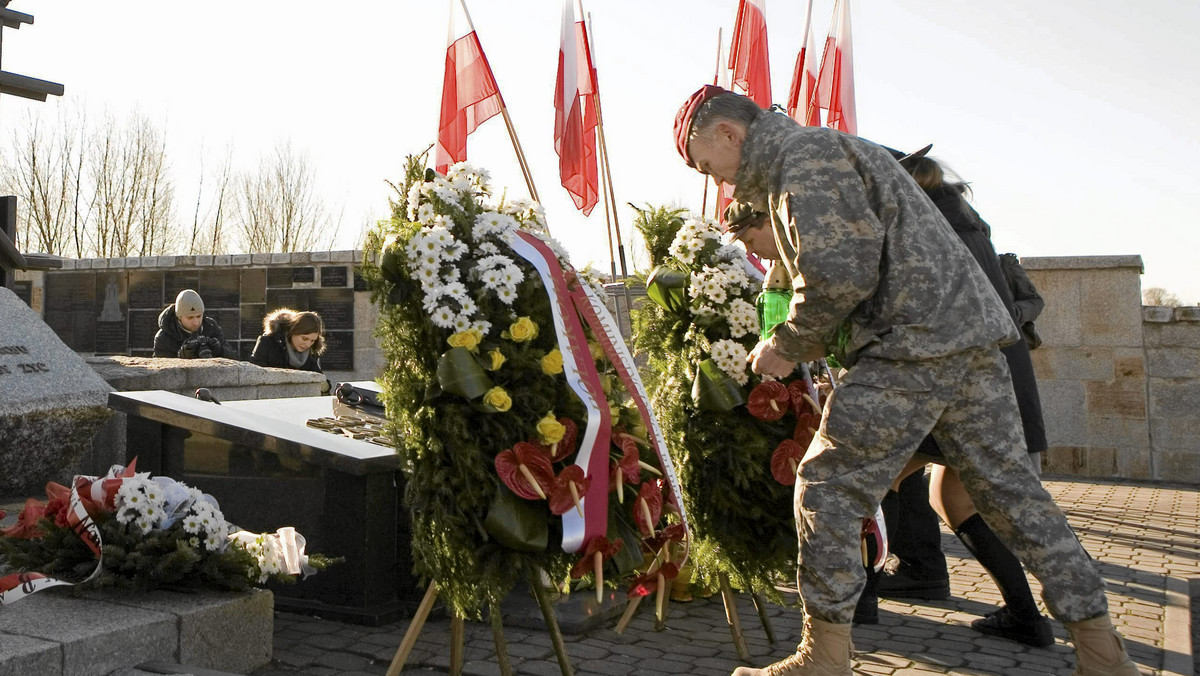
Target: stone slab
[[89, 632], [22, 656]]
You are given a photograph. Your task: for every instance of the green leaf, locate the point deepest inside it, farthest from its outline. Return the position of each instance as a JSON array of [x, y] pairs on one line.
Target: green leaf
[[459, 373], [517, 524], [713, 390], [668, 288]]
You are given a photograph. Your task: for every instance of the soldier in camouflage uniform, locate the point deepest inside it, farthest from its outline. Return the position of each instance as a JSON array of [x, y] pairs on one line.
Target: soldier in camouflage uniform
[[881, 281]]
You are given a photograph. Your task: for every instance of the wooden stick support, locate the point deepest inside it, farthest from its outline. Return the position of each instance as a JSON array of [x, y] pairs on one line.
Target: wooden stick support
[[731, 616], [556, 639], [760, 605], [626, 617], [497, 622], [457, 638], [414, 630]]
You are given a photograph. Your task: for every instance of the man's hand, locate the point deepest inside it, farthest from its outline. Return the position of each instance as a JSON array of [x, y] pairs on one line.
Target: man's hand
[[765, 359]]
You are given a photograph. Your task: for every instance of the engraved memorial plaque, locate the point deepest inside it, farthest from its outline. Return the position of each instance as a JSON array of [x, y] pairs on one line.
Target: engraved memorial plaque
[[339, 351], [254, 285], [230, 321], [71, 308], [360, 284], [178, 280], [219, 289], [279, 278], [143, 324], [24, 291], [336, 307], [305, 275], [333, 275], [251, 320], [146, 290], [111, 323], [295, 299]]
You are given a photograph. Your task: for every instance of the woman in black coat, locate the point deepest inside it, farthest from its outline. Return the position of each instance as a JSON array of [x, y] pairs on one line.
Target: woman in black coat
[[922, 571], [290, 340]]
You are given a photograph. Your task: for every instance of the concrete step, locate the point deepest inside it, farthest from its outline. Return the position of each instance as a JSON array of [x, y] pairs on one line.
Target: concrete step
[[60, 633]]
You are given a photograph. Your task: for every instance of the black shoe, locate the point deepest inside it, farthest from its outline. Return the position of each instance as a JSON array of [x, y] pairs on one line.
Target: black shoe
[[867, 610], [1002, 623], [900, 583]]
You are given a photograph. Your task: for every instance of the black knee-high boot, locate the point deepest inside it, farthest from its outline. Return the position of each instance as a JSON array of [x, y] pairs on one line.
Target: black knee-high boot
[[916, 540], [867, 609], [1019, 619]]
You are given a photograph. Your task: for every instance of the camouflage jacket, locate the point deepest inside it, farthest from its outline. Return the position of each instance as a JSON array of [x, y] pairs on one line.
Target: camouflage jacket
[[876, 269]]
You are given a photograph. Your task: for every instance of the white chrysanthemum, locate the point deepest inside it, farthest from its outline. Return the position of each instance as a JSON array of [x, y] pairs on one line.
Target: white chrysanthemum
[[468, 307], [506, 294], [455, 251], [126, 514], [144, 524], [456, 290], [481, 326], [716, 293], [425, 275], [429, 259], [487, 248], [730, 357], [451, 275], [512, 275], [425, 213], [491, 279], [191, 525], [443, 317], [430, 302], [742, 317], [462, 322], [440, 234], [447, 194]]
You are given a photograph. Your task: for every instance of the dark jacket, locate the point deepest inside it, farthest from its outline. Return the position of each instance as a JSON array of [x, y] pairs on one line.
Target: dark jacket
[[976, 234], [172, 341], [271, 347]]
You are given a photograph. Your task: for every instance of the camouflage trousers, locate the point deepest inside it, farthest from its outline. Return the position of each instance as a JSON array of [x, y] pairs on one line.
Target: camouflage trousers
[[873, 422]]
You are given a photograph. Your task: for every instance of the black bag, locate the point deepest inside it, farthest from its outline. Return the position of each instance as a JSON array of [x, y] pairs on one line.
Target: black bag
[[363, 398], [1026, 299]]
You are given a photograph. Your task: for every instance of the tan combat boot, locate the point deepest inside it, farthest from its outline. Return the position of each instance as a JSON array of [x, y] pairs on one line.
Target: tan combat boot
[[1099, 649], [824, 651]]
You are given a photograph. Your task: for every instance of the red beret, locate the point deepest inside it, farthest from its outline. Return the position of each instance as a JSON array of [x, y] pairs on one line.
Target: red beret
[[683, 119]]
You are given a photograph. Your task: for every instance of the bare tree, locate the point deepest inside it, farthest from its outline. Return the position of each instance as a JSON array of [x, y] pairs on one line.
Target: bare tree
[[1156, 295], [41, 175], [134, 193], [278, 208], [208, 220]]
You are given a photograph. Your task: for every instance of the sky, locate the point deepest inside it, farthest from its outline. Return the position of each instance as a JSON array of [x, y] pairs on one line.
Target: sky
[[1074, 120]]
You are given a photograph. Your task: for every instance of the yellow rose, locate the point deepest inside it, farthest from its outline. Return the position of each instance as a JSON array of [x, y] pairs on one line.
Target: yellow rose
[[469, 339], [552, 363], [521, 331], [497, 359], [549, 430], [498, 399]]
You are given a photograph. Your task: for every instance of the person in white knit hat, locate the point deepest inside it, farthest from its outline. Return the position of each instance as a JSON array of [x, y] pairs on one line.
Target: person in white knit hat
[[184, 331]]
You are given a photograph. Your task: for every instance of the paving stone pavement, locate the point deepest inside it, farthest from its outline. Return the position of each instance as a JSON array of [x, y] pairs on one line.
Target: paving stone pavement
[[1144, 538]]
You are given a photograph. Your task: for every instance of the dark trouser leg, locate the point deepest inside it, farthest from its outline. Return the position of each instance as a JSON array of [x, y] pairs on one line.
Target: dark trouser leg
[[917, 540], [1001, 564]]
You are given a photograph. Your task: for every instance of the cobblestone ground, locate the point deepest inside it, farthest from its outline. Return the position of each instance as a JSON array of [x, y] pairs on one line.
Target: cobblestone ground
[[1144, 539]]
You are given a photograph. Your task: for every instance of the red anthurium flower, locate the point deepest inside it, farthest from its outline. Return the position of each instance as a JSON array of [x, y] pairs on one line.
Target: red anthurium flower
[[806, 427], [628, 463], [26, 527], [769, 401], [568, 486], [647, 584], [796, 391], [673, 533], [526, 471], [785, 460], [597, 545], [647, 509]]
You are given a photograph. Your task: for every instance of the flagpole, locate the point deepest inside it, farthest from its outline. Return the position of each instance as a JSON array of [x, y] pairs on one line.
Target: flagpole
[[607, 166], [512, 132], [716, 81], [603, 158]]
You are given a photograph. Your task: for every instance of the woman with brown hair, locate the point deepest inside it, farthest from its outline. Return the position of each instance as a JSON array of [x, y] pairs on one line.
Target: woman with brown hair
[[291, 340]]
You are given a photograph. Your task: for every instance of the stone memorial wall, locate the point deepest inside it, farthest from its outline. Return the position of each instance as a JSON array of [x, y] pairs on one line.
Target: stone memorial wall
[[111, 306]]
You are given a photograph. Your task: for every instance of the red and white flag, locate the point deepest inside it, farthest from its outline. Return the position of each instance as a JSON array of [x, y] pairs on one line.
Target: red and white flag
[[575, 117], [801, 105], [835, 91], [469, 92], [748, 52]]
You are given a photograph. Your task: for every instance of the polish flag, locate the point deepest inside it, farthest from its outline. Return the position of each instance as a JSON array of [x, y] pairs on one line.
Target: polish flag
[[801, 105], [748, 52], [575, 116], [470, 95], [835, 91]]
